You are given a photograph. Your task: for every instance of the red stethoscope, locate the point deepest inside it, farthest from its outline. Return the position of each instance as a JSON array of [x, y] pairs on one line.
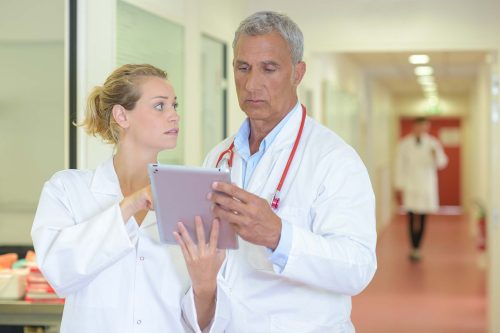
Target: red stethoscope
[[276, 199]]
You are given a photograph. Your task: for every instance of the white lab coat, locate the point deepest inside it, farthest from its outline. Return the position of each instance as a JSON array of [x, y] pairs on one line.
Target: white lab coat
[[116, 277], [416, 172], [328, 199]]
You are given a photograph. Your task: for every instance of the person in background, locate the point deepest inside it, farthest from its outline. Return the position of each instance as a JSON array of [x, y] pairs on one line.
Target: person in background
[[302, 202], [419, 156], [95, 234]]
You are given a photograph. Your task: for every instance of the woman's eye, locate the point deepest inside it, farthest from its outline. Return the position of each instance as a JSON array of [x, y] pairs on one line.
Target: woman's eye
[[175, 105], [159, 107]]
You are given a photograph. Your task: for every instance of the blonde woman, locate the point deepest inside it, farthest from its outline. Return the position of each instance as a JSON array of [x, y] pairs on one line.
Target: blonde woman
[[95, 233]]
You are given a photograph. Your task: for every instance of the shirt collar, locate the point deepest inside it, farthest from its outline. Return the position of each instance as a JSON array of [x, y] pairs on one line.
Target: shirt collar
[[105, 179], [241, 139]]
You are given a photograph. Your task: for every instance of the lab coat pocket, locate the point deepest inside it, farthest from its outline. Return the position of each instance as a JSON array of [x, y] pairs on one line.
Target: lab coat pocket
[[294, 215], [284, 324], [104, 291], [258, 256]]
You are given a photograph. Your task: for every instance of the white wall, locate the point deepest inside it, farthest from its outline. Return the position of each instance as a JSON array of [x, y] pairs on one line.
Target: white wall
[[32, 110], [381, 143], [96, 60], [494, 211], [478, 139]]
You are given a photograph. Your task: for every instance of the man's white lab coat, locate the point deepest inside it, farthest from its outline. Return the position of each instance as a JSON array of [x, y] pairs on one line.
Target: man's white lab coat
[[416, 172], [116, 277], [328, 198]]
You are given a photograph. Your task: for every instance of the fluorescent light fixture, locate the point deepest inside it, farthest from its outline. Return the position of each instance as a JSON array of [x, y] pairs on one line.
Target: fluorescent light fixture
[[424, 70], [426, 80], [418, 59]]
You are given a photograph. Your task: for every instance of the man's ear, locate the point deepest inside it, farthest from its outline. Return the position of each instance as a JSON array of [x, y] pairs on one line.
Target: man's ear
[[298, 74], [120, 116]]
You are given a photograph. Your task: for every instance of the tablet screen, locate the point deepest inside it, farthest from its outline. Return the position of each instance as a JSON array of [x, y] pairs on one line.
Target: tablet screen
[[180, 194]]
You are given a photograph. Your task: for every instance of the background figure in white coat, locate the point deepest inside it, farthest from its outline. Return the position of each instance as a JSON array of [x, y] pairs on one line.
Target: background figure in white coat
[[96, 237], [301, 259], [419, 157]]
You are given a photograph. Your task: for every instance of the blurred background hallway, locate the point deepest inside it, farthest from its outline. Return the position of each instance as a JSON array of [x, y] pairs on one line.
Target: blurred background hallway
[[443, 293]]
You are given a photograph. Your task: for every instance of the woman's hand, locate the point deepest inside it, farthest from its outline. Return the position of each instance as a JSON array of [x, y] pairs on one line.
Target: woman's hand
[[203, 263], [141, 200]]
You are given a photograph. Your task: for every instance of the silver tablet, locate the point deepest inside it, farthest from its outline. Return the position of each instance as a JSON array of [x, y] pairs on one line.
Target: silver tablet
[[180, 194]]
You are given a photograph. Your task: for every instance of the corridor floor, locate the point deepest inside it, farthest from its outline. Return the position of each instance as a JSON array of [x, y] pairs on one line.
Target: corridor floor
[[443, 293]]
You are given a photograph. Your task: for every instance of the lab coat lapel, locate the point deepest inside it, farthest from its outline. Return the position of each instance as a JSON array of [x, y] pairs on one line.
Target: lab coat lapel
[[236, 170], [105, 180]]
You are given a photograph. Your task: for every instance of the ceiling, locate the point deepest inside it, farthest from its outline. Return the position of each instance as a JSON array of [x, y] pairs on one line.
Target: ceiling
[[454, 72]]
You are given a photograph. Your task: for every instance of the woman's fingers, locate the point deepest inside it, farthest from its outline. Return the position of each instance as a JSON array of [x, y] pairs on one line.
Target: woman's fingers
[[185, 251], [192, 251], [214, 236], [191, 247], [200, 234]]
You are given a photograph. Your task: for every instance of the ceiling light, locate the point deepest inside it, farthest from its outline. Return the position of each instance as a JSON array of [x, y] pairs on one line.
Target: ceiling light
[[418, 59], [424, 70]]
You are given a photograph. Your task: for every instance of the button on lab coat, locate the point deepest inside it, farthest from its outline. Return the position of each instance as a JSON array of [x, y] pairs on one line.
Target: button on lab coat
[[328, 199], [116, 277], [416, 172]]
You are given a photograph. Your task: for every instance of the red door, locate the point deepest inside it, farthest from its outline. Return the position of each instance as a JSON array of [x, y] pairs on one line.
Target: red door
[[447, 130]]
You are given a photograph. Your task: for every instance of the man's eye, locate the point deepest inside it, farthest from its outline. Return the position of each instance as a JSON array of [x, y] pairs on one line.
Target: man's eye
[[159, 106], [270, 69], [243, 68]]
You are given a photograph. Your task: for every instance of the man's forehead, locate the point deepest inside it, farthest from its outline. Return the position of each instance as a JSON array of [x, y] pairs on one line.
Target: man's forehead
[[262, 49]]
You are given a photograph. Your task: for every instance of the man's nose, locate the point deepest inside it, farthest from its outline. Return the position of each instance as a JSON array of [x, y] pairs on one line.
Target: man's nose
[[253, 81]]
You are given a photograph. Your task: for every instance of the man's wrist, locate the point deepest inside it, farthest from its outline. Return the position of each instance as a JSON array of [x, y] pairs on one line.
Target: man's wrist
[[275, 238]]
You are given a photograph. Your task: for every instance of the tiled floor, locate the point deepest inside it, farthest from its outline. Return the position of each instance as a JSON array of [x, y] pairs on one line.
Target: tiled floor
[[443, 293]]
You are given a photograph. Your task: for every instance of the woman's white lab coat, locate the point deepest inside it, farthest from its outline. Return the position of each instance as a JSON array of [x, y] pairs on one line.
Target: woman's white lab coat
[[416, 172], [328, 199], [117, 277]]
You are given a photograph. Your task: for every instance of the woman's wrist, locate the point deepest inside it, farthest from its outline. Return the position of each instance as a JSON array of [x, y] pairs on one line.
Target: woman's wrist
[[127, 208]]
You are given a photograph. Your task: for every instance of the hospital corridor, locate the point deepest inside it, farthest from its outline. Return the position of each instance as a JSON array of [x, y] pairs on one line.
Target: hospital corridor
[[412, 86], [445, 292]]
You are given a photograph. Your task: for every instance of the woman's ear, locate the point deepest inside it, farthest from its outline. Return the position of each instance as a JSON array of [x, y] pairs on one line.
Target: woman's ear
[[120, 116]]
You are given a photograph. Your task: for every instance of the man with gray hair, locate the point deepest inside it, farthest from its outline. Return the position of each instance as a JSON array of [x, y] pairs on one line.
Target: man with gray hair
[[301, 199]]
